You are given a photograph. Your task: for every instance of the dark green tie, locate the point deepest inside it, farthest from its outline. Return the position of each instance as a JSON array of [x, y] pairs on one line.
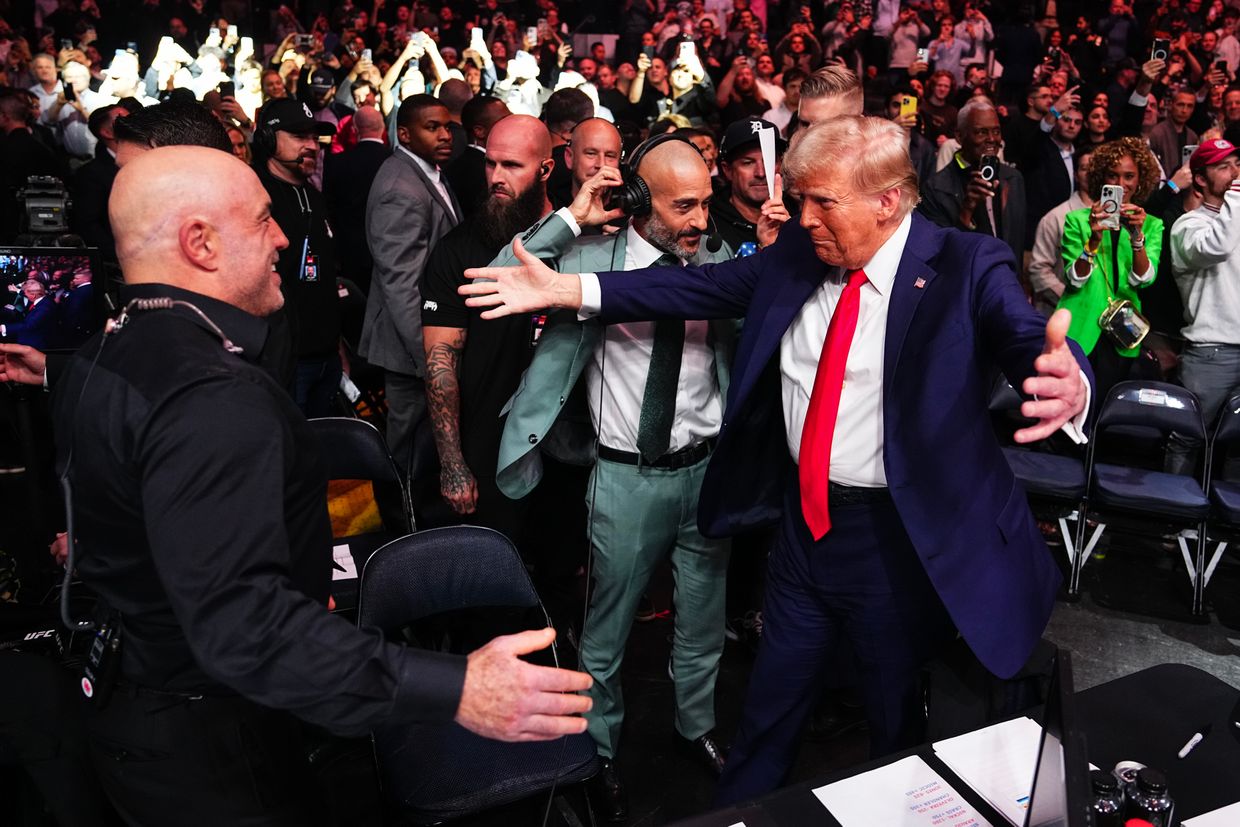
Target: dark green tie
[[654, 428]]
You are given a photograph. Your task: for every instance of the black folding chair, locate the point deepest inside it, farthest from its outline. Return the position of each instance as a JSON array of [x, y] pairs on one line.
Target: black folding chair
[[354, 449], [1223, 526], [1055, 483], [438, 772], [1139, 498]]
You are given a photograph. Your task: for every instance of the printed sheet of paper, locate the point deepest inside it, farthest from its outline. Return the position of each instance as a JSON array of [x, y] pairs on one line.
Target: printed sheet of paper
[[998, 762], [766, 140], [1228, 816], [908, 793]]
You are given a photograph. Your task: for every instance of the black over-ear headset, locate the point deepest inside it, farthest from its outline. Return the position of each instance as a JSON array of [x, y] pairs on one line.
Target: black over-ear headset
[[633, 195], [265, 140]]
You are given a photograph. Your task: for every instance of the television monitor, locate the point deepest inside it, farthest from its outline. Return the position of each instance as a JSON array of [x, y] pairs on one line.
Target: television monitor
[[1061, 795]]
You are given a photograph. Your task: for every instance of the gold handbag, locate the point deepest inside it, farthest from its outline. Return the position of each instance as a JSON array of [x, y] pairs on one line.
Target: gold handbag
[[1123, 323]]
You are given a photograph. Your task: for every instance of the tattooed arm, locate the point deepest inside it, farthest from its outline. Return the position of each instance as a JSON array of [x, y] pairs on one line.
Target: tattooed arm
[[444, 346]]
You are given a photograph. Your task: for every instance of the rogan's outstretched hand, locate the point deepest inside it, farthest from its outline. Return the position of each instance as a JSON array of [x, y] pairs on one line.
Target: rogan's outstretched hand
[[522, 288], [22, 363], [1060, 390], [510, 700]]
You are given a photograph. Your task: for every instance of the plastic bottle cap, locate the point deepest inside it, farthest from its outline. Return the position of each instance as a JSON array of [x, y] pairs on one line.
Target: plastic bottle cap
[[1103, 782], [1151, 781], [1137, 822]]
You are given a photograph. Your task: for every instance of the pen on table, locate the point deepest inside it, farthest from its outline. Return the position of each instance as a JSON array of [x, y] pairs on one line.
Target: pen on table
[[1197, 738]]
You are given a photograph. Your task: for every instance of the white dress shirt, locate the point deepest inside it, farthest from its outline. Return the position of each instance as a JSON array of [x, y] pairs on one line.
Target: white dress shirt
[[857, 457], [433, 173], [616, 378]]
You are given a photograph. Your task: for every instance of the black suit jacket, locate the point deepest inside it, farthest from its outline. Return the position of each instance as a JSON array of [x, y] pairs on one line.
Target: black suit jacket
[[347, 177], [467, 176], [1047, 183], [942, 193], [40, 329], [91, 187]]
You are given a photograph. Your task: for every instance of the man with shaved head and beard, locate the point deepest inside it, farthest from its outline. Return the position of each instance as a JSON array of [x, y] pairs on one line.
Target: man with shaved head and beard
[[655, 399], [200, 506]]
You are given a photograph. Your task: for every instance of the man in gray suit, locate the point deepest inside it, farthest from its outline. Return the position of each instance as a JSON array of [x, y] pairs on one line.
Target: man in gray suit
[[409, 209]]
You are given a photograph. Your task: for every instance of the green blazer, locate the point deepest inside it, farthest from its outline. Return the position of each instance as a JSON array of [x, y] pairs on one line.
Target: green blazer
[[1088, 301], [535, 422]]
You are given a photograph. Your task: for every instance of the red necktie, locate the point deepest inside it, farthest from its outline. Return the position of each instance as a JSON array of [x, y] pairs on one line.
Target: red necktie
[[824, 405]]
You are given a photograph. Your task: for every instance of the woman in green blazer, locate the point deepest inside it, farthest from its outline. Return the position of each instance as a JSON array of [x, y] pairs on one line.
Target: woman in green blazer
[[1101, 265]]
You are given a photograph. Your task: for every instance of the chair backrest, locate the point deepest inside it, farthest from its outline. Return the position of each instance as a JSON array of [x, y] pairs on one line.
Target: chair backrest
[[1157, 405], [1228, 428], [1003, 397], [442, 569], [353, 449]]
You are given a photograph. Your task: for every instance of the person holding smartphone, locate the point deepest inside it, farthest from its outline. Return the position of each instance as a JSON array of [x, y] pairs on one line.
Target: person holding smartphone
[[1108, 260]]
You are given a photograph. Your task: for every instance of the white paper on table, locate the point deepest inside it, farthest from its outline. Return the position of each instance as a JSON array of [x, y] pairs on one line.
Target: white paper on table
[[766, 140], [1228, 816], [908, 793], [998, 762]]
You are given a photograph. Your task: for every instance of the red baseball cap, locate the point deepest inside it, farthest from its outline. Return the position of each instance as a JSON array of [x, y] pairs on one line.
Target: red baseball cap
[[1211, 152]]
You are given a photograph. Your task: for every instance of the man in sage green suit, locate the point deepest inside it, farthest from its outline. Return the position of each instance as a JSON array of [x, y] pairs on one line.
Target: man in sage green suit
[[643, 493]]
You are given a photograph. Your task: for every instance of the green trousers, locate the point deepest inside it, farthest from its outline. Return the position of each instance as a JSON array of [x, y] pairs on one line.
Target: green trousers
[[639, 517]]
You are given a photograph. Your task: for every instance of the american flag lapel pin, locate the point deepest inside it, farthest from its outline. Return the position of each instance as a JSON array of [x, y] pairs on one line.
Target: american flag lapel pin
[[920, 283]]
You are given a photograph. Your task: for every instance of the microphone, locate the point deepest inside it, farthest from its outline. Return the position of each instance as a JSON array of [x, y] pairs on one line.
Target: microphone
[[714, 243]]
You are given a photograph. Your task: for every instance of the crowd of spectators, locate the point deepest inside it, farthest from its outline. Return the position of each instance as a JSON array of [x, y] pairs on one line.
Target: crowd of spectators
[[1019, 117]]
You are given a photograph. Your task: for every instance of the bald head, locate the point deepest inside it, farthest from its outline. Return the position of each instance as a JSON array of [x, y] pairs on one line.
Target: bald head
[[369, 122], [680, 193], [594, 144], [198, 219], [517, 133]]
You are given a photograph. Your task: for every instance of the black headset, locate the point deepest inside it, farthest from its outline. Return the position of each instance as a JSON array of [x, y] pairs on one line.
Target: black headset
[[265, 140], [633, 194]]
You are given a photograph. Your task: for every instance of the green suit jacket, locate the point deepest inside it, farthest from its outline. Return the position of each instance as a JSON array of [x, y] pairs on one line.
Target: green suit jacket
[[1088, 301], [536, 422]]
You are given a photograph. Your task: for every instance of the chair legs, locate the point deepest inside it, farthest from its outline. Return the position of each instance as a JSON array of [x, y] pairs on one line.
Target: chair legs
[[1083, 554]]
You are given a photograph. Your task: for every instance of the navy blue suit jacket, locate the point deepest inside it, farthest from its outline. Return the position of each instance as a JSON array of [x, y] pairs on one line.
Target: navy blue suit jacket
[[39, 329], [956, 310]]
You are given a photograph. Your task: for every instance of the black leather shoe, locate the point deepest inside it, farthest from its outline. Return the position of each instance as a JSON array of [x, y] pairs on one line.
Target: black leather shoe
[[706, 750], [608, 793]]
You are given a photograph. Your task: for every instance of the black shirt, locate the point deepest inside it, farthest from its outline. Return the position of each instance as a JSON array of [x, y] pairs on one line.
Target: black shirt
[[497, 351], [201, 517], [307, 266]]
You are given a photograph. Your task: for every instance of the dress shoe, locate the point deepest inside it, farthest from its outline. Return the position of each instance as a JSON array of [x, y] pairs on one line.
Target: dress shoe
[[706, 750], [833, 718], [608, 794]]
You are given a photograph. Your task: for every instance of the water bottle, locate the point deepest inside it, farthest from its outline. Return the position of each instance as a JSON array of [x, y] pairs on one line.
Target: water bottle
[[1150, 801], [1108, 799]]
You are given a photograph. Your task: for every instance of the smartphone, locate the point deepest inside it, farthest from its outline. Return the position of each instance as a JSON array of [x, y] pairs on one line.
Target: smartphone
[[1054, 57], [132, 46], [648, 51], [531, 36], [65, 43], [988, 166], [1221, 65], [1186, 153], [232, 31], [1161, 49], [228, 89], [69, 92], [215, 31], [923, 56], [304, 41], [476, 41], [687, 52], [1112, 197], [366, 54], [908, 106]]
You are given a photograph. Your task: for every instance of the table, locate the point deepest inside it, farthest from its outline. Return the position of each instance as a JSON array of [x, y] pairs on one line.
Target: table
[[1146, 716]]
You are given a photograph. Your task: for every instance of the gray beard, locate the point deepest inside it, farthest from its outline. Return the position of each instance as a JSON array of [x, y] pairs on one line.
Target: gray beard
[[665, 239]]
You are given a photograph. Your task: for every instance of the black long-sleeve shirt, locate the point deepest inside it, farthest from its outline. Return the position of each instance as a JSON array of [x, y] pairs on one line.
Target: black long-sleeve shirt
[[201, 517]]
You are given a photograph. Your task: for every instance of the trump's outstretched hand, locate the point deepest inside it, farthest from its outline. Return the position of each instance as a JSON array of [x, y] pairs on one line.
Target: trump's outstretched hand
[[522, 288], [1059, 390]]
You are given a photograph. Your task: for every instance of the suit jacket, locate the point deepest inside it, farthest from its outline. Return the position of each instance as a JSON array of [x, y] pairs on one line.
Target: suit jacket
[[1166, 145], [1048, 184], [535, 423], [92, 185], [405, 216], [956, 309], [347, 178], [943, 192], [40, 329], [1089, 300]]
